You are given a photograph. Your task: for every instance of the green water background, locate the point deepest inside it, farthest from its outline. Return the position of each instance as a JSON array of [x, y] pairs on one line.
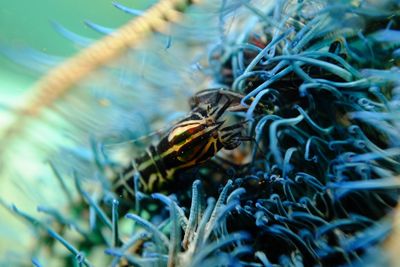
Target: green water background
[[28, 24]]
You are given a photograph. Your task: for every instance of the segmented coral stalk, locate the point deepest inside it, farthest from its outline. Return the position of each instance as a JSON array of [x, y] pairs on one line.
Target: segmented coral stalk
[[62, 78]]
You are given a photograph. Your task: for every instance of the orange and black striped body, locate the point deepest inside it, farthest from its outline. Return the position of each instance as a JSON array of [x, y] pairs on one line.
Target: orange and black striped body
[[190, 142]]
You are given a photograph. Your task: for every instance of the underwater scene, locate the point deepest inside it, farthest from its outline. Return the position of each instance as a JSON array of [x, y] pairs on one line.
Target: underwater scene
[[200, 133]]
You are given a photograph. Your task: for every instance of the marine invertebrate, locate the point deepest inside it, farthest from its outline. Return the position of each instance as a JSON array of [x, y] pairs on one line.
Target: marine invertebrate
[[190, 142], [323, 178]]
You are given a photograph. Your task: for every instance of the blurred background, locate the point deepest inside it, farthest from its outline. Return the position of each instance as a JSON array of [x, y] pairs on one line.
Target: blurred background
[[140, 95], [28, 25]]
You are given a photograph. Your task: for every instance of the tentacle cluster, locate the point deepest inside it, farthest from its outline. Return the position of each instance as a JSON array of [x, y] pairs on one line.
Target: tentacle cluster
[[325, 172]]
